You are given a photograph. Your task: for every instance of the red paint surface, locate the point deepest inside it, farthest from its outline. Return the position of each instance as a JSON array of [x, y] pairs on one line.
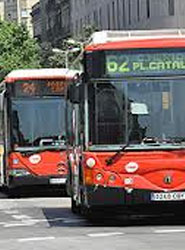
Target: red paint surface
[[139, 44], [48, 166], [153, 168]]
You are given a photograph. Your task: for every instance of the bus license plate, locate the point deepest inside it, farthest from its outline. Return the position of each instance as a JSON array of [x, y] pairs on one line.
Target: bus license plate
[[171, 196], [57, 181]]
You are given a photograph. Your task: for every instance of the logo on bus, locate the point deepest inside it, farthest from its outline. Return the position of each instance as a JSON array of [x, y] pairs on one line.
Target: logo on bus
[[35, 159], [131, 167], [168, 179]]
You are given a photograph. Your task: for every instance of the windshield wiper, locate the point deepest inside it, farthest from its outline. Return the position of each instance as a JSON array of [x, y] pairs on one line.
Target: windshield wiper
[[158, 141], [176, 139], [49, 140], [31, 151], [150, 141], [114, 157], [146, 140]]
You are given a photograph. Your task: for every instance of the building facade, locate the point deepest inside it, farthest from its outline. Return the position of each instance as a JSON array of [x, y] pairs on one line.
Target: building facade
[[1, 10], [55, 20], [127, 14], [20, 11]]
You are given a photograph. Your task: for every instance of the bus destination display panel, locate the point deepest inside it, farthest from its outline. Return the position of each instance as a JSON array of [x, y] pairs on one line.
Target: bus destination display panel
[[39, 88], [146, 62]]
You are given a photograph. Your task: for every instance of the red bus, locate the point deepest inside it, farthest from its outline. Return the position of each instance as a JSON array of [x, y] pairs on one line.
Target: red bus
[[33, 147], [129, 143]]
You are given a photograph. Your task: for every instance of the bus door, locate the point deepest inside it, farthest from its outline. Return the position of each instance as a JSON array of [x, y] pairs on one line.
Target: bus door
[[3, 138], [75, 152]]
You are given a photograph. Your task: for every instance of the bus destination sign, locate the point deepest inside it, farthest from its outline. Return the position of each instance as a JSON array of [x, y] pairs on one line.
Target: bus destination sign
[[119, 63], [39, 88]]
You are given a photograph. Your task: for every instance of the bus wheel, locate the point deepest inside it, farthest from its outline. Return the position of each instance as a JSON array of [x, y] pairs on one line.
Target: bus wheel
[[84, 210], [3, 193], [74, 208]]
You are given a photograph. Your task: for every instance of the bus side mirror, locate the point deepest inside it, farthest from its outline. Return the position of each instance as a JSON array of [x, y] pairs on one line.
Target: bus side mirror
[[74, 93]]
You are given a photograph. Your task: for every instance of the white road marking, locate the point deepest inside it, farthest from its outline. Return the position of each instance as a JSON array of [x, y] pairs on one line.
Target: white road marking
[[2, 223], [104, 234], [11, 212], [159, 231], [18, 225], [21, 217], [36, 239], [74, 220]]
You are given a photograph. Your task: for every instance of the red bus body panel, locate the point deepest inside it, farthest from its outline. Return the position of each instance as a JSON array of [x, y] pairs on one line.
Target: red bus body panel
[[139, 44], [153, 167], [50, 164]]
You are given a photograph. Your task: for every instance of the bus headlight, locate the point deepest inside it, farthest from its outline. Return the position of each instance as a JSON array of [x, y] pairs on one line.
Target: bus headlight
[[99, 177], [91, 162], [128, 181], [112, 178]]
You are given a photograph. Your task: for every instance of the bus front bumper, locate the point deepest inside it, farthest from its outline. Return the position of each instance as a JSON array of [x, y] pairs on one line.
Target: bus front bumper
[[98, 197], [15, 181]]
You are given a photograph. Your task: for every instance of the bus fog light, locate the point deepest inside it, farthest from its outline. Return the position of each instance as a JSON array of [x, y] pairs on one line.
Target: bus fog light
[[128, 181], [99, 177], [112, 178], [91, 162]]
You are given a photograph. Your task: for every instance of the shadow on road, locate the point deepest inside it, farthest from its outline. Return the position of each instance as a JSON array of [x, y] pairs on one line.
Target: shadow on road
[[63, 217], [34, 191]]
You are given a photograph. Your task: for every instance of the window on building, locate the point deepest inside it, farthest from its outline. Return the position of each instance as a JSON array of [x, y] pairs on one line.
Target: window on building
[[118, 16], [81, 25], [108, 16], [148, 8], [138, 10], [100, 17], [171, 7], [124, 18], [88, 19], [113, 15], [129, 12], [95, 17]]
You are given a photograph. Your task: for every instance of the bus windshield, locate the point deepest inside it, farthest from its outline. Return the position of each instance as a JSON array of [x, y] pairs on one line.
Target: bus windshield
[[38, 121], [122, 111]]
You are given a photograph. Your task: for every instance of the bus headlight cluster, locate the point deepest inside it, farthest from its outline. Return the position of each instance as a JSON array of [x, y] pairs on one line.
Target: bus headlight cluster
[[91, 162], [112, 178], [99, 177], [128, 181]]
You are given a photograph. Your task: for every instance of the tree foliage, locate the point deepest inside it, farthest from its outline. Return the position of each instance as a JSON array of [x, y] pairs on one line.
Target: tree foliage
[[73, 47], [17, 48]]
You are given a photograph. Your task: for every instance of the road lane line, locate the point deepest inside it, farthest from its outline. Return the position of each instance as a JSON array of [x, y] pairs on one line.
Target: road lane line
[[36, 239], [169, 231], [21, 217], [104, 234], [11, 212], [21, 224]]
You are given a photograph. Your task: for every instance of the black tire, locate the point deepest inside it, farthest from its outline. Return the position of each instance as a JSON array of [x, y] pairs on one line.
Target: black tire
[[84, 210], [74, 208], [3, 193]]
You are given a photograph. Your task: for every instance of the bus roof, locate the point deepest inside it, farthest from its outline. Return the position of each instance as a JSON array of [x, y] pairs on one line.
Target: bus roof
[[44, 73], [116, 39]]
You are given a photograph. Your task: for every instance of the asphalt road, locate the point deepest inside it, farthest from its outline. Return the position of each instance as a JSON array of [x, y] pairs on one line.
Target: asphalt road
[[46, 222]]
